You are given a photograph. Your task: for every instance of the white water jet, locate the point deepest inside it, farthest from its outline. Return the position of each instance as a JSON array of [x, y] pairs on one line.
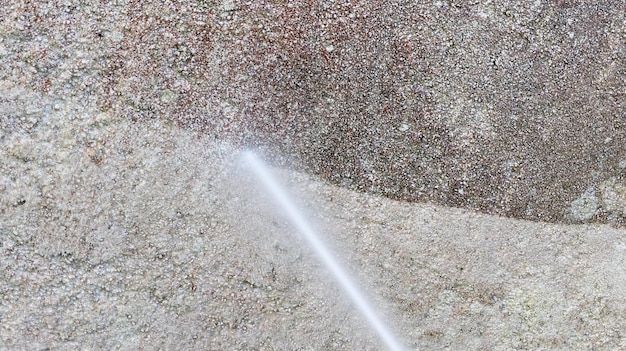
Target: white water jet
[[340, 275]]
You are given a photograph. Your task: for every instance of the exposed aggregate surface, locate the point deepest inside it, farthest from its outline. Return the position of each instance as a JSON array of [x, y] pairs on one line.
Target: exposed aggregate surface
[[125, 224]]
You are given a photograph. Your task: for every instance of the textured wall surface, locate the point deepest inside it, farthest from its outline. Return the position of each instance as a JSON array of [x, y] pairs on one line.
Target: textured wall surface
[[515, 107], [126, 224]]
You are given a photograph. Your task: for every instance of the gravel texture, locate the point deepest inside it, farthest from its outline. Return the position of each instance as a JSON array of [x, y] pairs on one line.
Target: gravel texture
[[126, 223]]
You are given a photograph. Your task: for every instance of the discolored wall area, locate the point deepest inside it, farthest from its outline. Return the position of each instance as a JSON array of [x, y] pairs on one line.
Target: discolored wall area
[[513, 108]]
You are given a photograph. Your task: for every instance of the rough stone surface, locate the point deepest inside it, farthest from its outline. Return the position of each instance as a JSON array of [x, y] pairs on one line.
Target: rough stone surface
[[117, 235], [513, 108], [124, 223]]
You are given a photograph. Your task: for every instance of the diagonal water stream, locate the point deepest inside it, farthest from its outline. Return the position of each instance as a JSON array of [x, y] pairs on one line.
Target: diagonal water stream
[[325, 256]]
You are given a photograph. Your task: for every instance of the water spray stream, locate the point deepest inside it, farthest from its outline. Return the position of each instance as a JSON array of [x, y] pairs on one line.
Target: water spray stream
[[298, 220]]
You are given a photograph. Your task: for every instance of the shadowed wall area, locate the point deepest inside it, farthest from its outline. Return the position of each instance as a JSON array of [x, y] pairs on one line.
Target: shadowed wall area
[[515, 108]]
